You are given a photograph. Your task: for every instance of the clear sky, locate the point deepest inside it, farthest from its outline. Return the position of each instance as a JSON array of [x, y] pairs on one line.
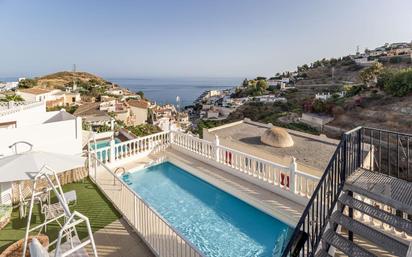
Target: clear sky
[[212, 38]]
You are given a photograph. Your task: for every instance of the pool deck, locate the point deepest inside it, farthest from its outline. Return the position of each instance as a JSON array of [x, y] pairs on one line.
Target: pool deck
[[118, 239], [273, 204]]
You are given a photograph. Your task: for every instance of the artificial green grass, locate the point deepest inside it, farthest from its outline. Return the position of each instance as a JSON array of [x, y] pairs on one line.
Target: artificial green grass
[[90, 202]]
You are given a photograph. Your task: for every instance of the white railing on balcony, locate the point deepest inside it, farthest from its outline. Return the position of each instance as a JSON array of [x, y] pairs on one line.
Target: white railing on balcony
[[158, 234], [11, 107], [132, 148], [273, 176]]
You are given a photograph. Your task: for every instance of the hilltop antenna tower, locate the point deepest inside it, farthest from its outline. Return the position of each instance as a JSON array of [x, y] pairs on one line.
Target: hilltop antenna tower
[[357, 50], [74, 80]]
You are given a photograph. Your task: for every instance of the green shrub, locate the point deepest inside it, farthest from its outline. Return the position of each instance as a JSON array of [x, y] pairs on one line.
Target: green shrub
[[144, 129], [396, 82], [27, 83]]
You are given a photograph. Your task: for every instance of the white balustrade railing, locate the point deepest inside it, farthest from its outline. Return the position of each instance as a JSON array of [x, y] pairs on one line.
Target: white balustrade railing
[[286, 178], [158, 234], [261, 169], [131, 148], [194, 144], [7, 108]]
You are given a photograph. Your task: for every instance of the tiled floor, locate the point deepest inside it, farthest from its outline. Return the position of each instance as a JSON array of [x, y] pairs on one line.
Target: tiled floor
[[119, 240]]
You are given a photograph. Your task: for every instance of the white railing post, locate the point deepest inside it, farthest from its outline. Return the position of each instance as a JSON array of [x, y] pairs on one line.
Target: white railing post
[[171, 137], [292, 170], [112, 150], [216, 143]]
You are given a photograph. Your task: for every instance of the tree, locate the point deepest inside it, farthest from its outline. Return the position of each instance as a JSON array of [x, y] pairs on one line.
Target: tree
[[333, 61], [260, 78], [370, 75], [397, 83], [245, 82], [27, 83], [15, 98], [141, 94], [262, 85]]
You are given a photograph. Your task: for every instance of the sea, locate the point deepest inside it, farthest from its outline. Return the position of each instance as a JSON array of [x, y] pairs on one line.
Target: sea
[[165, 90]]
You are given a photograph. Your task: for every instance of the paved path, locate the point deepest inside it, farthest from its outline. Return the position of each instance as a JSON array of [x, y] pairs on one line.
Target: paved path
[[119, 240]]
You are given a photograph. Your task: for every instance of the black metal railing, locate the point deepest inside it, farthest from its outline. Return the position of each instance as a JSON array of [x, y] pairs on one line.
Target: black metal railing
[[387, 152], [373, 149]]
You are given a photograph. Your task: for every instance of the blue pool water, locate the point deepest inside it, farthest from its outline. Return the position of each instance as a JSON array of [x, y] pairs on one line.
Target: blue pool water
[[217, 223], [104, 143]]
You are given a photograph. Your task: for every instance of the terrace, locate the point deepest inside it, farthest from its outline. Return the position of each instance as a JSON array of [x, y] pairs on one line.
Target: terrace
[[302, 201], [277, 189], [113, 236]]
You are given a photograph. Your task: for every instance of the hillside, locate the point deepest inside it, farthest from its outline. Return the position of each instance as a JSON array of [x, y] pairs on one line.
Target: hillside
[[377, 110], [343, 71], [63, 78], [375, 94]]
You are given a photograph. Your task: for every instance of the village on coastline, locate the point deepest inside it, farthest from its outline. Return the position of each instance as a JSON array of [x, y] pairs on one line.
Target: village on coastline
[[105, 107]]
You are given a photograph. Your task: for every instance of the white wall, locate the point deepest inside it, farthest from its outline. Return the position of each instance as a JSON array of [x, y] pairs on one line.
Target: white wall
[[36, 114], [139, 115], [63, 137]]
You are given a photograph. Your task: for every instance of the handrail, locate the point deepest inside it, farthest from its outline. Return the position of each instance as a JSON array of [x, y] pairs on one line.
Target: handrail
[[356, 147], [295, 236], [93, 155], [256, 158]]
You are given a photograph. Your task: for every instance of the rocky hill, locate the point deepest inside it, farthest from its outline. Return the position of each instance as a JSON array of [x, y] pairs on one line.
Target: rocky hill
[[64, 78]]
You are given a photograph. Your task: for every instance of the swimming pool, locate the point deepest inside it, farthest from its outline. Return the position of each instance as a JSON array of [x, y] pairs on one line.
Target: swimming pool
[[217, 223], [104, 143]]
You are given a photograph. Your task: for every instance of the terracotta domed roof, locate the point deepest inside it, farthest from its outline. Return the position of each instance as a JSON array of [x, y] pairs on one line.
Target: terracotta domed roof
[[277, 137]]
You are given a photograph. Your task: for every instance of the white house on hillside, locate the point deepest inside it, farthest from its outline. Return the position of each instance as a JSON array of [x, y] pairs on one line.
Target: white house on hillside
[[35, 94], [138, 111]]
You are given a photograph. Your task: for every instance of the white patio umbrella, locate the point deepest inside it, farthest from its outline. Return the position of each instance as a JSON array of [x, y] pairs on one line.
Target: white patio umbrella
[[24, 166]]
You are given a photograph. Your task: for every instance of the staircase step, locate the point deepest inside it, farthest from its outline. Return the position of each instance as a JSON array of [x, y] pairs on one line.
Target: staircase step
[[322, 253], [381, 240], [391, 191], [347, 247], [386, 217]]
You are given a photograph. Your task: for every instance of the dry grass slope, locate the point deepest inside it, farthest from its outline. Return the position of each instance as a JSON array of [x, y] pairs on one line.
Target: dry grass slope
[[65, 77]]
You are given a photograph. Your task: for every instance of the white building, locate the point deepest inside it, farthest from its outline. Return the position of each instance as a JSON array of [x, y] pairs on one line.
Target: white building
[[278, 82], [57, 131], [328, 95], [316, 120], [138, 111], [116, 92], [363, 61], [270, 99], [108, 106], [6, 86], [212, 114], [52, 97], [36, 94]]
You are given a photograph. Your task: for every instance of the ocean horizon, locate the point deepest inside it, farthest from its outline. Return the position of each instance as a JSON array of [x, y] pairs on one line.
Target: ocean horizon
[[165, 90]]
